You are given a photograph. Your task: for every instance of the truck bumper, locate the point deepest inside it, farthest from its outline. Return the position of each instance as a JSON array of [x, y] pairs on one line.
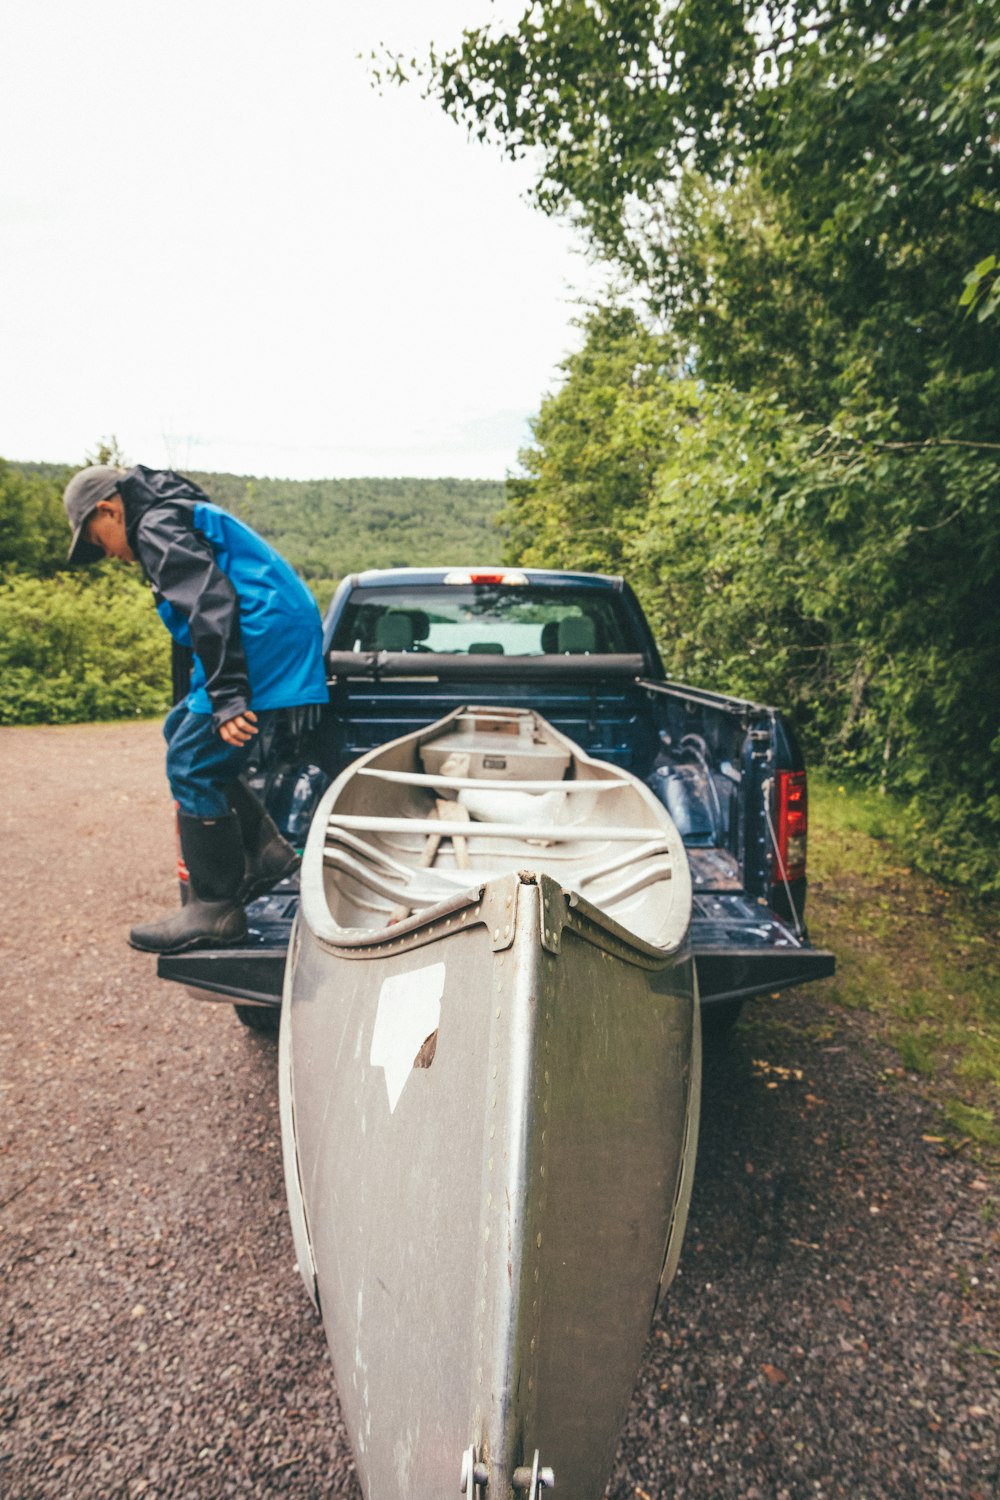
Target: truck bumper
[[740, 949]]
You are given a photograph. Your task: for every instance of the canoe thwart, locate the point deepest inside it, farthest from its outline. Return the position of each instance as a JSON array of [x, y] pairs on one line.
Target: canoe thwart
[[594, 833], [481, 784]]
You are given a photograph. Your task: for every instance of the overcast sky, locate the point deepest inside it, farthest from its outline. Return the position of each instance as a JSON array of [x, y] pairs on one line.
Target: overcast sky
[[220, 244]]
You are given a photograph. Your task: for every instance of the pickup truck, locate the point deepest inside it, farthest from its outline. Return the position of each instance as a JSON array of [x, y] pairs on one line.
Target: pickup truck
[[405, 646]]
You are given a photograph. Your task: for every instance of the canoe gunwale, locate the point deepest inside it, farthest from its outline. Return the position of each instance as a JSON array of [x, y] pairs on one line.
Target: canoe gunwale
[[689, 1156], [493, 907]]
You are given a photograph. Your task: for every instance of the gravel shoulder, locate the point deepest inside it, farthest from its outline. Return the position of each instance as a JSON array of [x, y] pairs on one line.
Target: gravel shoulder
[[833, 1330]]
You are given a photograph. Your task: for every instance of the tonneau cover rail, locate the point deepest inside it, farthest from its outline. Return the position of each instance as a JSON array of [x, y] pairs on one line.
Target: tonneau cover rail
[[483, 666]]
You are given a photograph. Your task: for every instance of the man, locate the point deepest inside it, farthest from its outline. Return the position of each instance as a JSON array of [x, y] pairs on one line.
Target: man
[[257, 639]]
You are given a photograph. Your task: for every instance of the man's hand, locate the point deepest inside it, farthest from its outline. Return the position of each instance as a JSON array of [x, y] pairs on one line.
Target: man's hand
[[239, 730]]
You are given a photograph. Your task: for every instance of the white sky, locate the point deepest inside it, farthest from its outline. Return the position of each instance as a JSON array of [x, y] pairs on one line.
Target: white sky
[[219, 243]]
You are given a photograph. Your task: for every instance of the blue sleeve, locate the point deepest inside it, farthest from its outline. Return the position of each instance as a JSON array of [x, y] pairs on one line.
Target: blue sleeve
[[182, 569]]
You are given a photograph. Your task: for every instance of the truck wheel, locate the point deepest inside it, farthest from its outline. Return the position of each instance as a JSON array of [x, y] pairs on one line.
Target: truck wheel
[[717, 1021], [263, 1019]]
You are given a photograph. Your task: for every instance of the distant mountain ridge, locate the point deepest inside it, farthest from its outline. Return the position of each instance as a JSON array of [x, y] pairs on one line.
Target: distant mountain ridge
[[330, 527]]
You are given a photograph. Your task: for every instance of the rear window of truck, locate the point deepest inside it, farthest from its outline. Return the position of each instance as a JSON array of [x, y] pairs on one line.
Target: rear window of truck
[[471, 619]]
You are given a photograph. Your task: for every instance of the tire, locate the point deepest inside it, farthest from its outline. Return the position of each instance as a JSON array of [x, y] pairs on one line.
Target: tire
[[263, 1019], [717, 1021]]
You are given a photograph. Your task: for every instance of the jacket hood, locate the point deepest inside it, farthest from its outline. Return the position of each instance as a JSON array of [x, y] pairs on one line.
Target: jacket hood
[[143, 489]]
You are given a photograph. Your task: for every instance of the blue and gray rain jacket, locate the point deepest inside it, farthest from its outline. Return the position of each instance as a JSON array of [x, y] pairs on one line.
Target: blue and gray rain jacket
[[253, 625]]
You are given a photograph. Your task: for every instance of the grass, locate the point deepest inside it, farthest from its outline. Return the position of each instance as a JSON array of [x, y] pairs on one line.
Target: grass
[[919, 957]]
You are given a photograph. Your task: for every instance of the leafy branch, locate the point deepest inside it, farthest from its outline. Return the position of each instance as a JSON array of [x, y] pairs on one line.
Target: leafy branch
[[981, 293]]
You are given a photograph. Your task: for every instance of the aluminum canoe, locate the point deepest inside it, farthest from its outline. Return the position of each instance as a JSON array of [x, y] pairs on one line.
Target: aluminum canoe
[[490, 1069]]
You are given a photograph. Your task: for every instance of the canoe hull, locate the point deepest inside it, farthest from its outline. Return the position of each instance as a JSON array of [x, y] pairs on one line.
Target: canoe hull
[[493, 1122]]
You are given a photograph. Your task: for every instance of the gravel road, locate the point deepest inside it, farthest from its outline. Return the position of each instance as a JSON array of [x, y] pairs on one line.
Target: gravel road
[[833, 1331]]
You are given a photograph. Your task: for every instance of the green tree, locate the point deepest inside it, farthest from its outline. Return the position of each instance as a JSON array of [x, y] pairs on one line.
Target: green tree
[[796, 192], [108, 451], [599, 444], [34, 536], [849, 580], [878, 114]]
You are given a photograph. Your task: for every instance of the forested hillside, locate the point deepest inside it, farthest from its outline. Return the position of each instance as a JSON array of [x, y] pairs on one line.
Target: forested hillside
[[330, 527]]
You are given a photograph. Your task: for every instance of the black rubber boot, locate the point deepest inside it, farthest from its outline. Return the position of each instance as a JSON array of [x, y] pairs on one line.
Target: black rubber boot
[[213, 916], [269, 857]]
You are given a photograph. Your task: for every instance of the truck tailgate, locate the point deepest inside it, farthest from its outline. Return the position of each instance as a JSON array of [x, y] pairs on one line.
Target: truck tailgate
[[741, 948]]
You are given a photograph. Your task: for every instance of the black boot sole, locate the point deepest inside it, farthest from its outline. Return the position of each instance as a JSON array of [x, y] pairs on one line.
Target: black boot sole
[[204, 940]]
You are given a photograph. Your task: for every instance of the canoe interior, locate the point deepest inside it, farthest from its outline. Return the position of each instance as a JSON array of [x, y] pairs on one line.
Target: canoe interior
[[488, 791]]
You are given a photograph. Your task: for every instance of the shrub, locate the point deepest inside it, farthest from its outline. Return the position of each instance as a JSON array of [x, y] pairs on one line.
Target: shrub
[[79, 647]]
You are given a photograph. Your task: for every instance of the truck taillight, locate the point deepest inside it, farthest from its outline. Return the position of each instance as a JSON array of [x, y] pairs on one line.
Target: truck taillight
[[484, 575], [791, 822]]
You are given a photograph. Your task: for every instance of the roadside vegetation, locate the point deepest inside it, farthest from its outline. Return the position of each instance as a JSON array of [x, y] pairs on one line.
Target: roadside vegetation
[[918, 956], [74, 648], [784, 423]]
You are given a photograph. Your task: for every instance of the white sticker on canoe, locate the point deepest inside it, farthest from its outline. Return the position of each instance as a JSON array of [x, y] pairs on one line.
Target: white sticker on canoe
[[409, 1012]]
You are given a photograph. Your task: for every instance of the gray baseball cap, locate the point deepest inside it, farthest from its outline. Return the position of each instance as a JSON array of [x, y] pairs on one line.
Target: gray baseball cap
[[81, 495]]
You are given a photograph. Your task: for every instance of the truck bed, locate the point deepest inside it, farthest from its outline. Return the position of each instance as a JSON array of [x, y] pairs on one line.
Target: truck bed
[[405, 647], [742, 945]]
